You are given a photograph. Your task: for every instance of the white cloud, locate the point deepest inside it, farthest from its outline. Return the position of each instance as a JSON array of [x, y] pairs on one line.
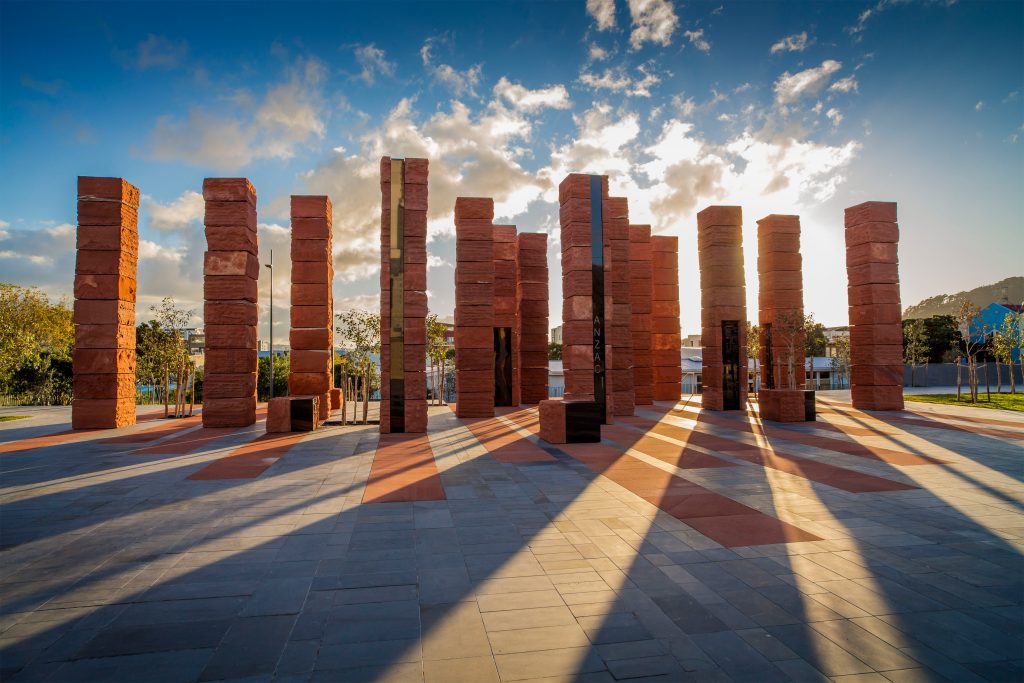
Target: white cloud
[[373, 62], [436, 262], [616, 79], [288, 116], [596, 53], [834, 116], [698, 40], [654, 21], [847, 84], [158, 52], [791, 87], [980, 105], [524, 99], [459, 82], [181, 214], [797, 42], [603, 12]]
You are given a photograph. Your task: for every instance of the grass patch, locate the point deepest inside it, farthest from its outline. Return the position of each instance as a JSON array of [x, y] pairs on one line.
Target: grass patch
[[998, 402], [8, 418]]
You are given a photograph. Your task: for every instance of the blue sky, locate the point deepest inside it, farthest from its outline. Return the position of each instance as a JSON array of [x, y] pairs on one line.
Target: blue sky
[[779, 107]]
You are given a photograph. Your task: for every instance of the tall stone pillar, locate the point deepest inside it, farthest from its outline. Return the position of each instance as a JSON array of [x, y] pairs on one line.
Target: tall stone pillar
[[311, 368], [641, 289], [474, 307], [403, 297], [105, 277], [876, 331], [532, 316], [620, 336], [723, 308], [231, 271], [506, 350], [584, 305], [780, 293], [666, 343]]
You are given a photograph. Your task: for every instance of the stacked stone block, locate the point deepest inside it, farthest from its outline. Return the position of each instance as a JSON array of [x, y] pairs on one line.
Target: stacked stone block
[[666, 343], [532, 319], [723, 297], [104, 316], [505, 294], [410, 192], [230, 274], [617, 284], [577, 286], [780, 292], [876, 333], [474, 307], [311, 369], [641, 289]]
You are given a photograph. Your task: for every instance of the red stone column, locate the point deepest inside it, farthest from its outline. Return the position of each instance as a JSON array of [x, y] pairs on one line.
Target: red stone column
[[505, 294], [876, 331], [617, 284], [577, 286], [474, 307], [532, 318], [412, 249], [641, 289], [723, 299], [780, 291], [105, 276], [666, 343], [311, 368], [231, 270]]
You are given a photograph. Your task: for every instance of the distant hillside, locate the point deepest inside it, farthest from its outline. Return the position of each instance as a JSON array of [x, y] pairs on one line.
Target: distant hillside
[[945, 304]]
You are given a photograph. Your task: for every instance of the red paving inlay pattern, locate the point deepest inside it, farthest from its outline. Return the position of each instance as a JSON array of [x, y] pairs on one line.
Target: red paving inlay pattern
[[503, 443], [823, 473], [249, 461], [860, 450], [191, 441], [718, 517], [403, 471]]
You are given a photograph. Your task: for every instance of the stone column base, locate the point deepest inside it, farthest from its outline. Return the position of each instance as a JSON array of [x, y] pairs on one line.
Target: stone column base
[[570, 421], [786, 405], [293, 414]]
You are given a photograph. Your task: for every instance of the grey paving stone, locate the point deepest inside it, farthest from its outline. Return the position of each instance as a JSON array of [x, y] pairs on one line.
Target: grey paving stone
[[278, 596], [476, 669], [560, 663], [251, 647], [736, 658], [332, 656], [143, 638]]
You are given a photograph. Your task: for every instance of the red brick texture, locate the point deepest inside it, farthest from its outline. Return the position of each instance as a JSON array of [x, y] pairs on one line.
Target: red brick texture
[[414, 264], [876, 333], [312, 337], [641, 289], [230, 276], [474, 306], [722, 296], [666, 360], [104, 314], [620, 323], [531, 337], [780, 292]]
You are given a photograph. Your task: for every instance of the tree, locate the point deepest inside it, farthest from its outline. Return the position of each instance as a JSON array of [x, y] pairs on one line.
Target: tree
[[815, 341], [840, 362], [360, 332], [972, 328], [36, 344], [754, 350], [554, 351], [942, 335], [281, 367], [915, 346], [1006, 339], [437, 352], [789, 330], [171, 352]]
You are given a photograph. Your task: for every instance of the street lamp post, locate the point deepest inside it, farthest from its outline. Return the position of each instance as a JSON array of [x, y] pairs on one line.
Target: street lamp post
[[271, 267]]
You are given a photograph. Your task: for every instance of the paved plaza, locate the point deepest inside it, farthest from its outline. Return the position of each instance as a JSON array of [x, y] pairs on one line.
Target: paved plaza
[[687, 545]]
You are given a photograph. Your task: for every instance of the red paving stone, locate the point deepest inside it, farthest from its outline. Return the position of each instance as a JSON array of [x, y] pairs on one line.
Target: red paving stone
[[823, 473], [860, 450], [673, 454], [156, 432], [718, 517], [503, 442], [44, 441], [403, 471], [63, 436], [249, 461], [927, 421]]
